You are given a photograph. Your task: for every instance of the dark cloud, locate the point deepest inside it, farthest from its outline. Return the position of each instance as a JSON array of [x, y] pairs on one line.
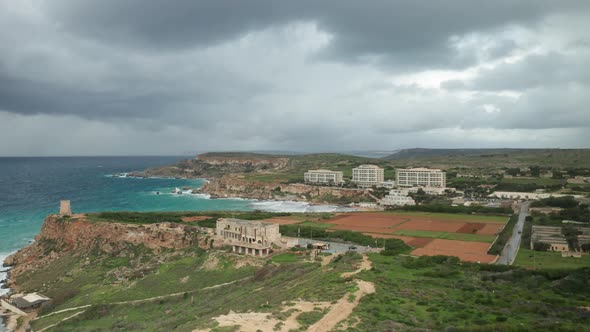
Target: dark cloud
[[300, 75], [408, 33]]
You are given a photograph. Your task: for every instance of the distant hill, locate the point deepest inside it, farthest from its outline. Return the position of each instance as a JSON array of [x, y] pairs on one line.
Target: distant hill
[[491, 158], [420, 152]]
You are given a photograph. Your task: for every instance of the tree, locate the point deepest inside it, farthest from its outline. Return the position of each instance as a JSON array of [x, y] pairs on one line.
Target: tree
[[535, 171], [571, 235], [541, 246], [513, 171], [585, 247]]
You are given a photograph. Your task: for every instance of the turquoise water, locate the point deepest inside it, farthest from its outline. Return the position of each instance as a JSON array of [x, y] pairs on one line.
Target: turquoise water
[[30, 188]]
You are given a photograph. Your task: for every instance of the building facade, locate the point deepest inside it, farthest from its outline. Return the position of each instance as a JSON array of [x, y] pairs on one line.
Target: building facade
[[249, 237], [323, 176], [367, 175], [397, 197], [423, 177]]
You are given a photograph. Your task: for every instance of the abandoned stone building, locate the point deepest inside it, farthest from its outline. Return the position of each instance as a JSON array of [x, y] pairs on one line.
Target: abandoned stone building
[[249, 237]]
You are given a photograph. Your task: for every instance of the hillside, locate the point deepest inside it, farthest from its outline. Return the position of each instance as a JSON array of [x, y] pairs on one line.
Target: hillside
[[140, 286], [487, 158]]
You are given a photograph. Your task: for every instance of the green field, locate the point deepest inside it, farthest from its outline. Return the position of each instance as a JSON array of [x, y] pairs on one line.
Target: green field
[[456, 216], [285, 258], [315, 225], [549, 260], [447, 235]]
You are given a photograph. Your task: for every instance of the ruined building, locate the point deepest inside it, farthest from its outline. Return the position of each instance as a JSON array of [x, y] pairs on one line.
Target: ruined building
[[65, 208], [248, 236]]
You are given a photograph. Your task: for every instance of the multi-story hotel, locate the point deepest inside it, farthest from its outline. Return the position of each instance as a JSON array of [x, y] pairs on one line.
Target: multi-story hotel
[[397, 197], [323, 176], [424, 177], [367, 175]]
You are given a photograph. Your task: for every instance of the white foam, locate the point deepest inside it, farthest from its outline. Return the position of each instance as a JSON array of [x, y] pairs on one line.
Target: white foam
[[293, 206], [3, 256]]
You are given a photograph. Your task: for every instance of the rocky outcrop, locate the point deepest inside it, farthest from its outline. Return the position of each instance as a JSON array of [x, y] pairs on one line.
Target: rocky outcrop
[[234, 186], [77, 235], [255, 160], [213, 165]]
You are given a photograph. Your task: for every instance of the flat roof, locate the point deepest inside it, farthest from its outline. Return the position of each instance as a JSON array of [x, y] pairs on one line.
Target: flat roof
[[243, 222], [368, 166], [421, 169], [323, 171]]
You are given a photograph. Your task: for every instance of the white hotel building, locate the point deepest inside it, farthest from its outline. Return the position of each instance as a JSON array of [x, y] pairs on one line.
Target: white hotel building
[[367, 175], [397, 197], [323, 176], [424, 177]]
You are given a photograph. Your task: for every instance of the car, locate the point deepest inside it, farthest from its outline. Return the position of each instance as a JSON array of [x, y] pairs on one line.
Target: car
[[351, 248]]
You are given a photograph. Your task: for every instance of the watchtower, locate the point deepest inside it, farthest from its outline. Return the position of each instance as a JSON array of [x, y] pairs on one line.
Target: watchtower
[[65, 208]]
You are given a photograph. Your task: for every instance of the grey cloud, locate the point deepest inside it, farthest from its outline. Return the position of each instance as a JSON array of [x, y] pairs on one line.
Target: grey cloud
[[292, 75], [406, 33]]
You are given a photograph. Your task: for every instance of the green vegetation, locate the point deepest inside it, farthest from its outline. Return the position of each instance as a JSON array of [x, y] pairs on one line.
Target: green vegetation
[[315, 225], [392, 246], [562, 202], [439, 293], [307, 319], [440, 208], [549, 260], [285, 258], [504, 236], [456, 216], [158, 217], [269, 287], [447, 235]]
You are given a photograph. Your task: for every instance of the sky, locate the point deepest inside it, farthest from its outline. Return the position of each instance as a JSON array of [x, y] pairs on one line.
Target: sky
[[139, 77]]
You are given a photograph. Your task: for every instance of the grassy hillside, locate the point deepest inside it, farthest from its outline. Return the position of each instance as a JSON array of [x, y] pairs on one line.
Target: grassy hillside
[[426, 293]]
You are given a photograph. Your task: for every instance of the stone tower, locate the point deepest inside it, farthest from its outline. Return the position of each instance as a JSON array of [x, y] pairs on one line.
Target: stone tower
[[64, 208]]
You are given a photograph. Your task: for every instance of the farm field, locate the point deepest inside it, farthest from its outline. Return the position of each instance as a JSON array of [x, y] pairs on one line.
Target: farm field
[[549, 260], [465, 236]]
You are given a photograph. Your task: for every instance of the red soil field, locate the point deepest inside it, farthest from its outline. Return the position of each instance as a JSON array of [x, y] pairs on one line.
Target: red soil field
[[466, 251], [491, 229], [434, 226], [471, 228]]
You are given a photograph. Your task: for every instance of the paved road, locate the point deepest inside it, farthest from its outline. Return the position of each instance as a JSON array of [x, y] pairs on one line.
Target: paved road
[[337, 247], [511, 248]]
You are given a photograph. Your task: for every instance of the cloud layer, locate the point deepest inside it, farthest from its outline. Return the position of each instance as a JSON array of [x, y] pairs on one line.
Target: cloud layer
[[153, 77]]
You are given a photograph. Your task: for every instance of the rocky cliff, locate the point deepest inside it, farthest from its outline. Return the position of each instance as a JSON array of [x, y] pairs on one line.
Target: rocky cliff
[[62, 235], [212, 165], [234, 186]]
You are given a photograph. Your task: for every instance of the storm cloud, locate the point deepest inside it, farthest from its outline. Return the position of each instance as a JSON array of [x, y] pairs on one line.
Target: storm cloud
[[169, 77]]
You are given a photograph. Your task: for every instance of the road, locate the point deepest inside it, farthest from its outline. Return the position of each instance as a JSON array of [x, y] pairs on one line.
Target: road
[[511, 248], [338, 248]]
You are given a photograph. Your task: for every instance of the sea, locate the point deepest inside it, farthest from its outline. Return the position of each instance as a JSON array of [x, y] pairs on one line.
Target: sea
[[31, 188]]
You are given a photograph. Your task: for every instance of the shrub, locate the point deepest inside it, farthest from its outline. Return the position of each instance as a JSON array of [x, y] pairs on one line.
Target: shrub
[[541, 246]]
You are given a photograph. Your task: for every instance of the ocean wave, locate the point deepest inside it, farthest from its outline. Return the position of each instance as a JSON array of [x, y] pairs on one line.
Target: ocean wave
[[183, 193], [293, 206], [3, 275]]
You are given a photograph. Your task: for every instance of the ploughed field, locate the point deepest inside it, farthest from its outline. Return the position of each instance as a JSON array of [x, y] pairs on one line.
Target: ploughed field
[[465, 236]]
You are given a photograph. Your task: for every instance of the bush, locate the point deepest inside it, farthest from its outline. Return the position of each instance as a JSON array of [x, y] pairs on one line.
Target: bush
[[504, 236], [440, 208], [541, 246]]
